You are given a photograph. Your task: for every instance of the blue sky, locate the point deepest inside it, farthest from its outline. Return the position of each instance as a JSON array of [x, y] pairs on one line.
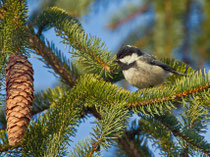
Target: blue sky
[[95, 24]]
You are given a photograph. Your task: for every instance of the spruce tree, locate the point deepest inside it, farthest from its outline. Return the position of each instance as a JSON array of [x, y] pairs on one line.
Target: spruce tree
[[87, 87]]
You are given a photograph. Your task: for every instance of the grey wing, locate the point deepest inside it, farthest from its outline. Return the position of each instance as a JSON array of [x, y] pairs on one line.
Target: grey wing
[[152, 60]]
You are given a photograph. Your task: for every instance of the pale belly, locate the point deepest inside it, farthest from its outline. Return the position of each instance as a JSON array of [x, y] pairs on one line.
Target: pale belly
[[145, 76]]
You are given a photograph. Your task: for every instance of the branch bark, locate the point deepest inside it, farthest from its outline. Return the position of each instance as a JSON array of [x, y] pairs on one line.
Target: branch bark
[[40, 47]]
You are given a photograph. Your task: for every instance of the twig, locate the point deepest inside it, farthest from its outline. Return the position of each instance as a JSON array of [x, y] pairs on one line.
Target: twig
[[137, 12], [176, 96], [50, 58]]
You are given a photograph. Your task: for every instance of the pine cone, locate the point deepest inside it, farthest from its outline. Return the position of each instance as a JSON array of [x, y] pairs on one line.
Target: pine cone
[[19, 87]]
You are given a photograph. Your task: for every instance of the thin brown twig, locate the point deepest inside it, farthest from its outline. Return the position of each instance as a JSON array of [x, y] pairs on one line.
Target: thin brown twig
[[50, 58], [137, 12], [95, 147], [96, 58], [176, 96]]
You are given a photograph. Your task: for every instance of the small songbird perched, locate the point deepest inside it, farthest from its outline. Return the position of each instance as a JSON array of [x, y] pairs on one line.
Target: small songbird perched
[[142, 70]]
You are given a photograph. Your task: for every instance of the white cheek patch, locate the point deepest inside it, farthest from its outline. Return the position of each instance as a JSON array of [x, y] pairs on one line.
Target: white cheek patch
[[129, 59], [125, 59]]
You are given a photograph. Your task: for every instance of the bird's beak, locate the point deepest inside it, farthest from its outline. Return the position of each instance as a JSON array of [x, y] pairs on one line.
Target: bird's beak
[[116, 61]]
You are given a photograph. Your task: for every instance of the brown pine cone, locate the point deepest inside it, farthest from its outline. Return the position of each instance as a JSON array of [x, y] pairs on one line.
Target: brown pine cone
[[19, 87]]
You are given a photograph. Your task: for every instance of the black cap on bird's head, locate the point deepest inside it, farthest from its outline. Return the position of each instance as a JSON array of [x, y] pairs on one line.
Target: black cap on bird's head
[[127, 50]]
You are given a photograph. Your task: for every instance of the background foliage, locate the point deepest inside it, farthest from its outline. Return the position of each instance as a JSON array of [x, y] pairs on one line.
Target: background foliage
[[170, 28]]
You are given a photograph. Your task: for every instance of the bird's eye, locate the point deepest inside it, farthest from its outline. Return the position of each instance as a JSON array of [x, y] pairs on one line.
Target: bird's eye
[[121, 56]]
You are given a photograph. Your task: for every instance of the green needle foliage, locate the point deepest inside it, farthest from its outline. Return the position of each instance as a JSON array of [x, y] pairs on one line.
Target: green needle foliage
[[88, 88], [13, 26], [92, 54], [110, 127]]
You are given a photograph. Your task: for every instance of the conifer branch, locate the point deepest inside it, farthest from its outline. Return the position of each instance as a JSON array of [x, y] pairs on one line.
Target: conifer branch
[[173, 97], [142, 103], [104, 89], [126, 141], [95, 147], [5, 148], [186, 147], [13, 25], [128, 145], [177, 133], [60, 112], [89, 85], [49, 133], [170, 93], [110, 127], [158, 133], [58, 66], [90, 50]]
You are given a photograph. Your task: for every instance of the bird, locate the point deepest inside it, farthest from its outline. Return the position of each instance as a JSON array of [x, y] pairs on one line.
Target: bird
[[142, 70]]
